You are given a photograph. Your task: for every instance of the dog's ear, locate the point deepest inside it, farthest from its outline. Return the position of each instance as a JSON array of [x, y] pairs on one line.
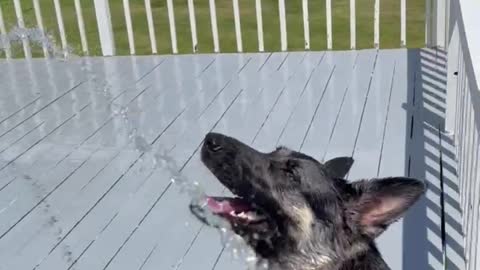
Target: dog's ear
[[338, 167], [378, 203]]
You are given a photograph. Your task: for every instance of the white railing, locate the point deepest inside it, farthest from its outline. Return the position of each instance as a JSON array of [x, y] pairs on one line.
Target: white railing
[[459, 34], [463, 115], [435, 20]]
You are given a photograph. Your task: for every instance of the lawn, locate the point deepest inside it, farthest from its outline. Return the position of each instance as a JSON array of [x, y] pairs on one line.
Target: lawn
[[389, 29]]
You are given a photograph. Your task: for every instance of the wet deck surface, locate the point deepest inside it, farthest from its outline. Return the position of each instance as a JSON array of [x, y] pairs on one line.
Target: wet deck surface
[[75, 194]]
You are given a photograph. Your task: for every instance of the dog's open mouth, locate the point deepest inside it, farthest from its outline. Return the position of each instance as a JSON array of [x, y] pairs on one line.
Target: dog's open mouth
[[234, 209]]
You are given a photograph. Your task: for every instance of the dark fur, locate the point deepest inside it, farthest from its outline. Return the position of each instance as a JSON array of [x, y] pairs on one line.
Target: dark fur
[[315, 219]]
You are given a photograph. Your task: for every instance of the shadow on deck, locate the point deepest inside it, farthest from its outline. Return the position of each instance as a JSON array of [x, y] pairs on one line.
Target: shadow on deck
[[75, 194]]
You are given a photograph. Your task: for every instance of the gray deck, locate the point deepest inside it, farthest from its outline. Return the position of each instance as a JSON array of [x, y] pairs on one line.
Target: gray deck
[[75, 195]]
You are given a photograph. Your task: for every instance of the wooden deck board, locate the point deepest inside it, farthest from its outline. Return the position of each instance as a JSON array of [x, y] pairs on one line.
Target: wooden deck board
[[18, 151], [322, 123], [74, 193], [349, 119], [393, 159], [173, 113]]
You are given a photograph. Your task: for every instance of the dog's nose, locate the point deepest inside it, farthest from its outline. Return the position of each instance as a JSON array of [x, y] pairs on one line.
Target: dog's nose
[[213, 143]]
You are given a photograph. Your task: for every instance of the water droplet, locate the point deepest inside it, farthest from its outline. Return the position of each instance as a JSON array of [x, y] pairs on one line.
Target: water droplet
[[141, 144], [132, 133]]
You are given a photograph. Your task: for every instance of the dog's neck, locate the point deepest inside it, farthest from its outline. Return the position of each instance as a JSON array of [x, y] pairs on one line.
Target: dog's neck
[[369, 258], [367, 262]]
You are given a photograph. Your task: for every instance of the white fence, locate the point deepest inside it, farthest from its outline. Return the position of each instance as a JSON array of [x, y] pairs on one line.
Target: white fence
[[463, 116], [434, 17], [460, 35]]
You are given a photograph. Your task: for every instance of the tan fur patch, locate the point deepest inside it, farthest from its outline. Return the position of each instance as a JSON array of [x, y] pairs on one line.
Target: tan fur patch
[[324, 260], [316, 262], [304, 216]]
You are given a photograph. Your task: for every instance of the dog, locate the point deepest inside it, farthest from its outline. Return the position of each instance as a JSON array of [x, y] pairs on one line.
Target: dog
[[296, 213]]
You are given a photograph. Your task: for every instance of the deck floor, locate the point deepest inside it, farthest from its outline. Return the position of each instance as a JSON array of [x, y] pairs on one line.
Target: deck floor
[[76, 194]]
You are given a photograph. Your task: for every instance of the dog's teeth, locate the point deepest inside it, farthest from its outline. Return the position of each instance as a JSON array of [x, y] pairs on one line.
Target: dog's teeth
[[252, 215], [242, 215]]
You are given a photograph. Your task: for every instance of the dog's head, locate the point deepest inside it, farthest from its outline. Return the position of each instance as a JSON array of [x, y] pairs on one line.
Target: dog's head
[[291, 209]]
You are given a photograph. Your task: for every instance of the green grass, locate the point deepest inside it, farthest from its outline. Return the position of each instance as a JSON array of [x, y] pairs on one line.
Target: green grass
[[389, 35]]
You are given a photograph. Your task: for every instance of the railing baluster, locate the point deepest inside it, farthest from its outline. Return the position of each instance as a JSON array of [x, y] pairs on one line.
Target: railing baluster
[[258, 10], [306, 24], [468, 152], [452, 83], [213, 21], [466, 148], [458, 108], [39, 19], [474, 190], [376, 22], [21, 23], [457, 115], [171, 22], [238, 26], [462, 128], [353, 25], [151, 27], [476, 255], [473, 177], [81, 26], [428, 22], [283, 25], [193, 25], [105, 30], [403, 23], [128, 22], [329, 24], [61, 26], [3, 35]]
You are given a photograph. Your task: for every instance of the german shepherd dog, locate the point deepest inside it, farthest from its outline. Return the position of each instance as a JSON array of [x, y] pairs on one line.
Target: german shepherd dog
[[299, 214]]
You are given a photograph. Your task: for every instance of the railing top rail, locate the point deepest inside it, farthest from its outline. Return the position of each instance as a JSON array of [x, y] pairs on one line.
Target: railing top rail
[[469, 30]]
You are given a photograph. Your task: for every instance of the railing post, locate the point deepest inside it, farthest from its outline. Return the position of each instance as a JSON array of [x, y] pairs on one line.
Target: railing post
[[105, 30]]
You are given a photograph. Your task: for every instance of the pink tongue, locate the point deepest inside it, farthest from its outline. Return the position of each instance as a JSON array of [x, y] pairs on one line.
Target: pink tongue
[[226, 206]]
